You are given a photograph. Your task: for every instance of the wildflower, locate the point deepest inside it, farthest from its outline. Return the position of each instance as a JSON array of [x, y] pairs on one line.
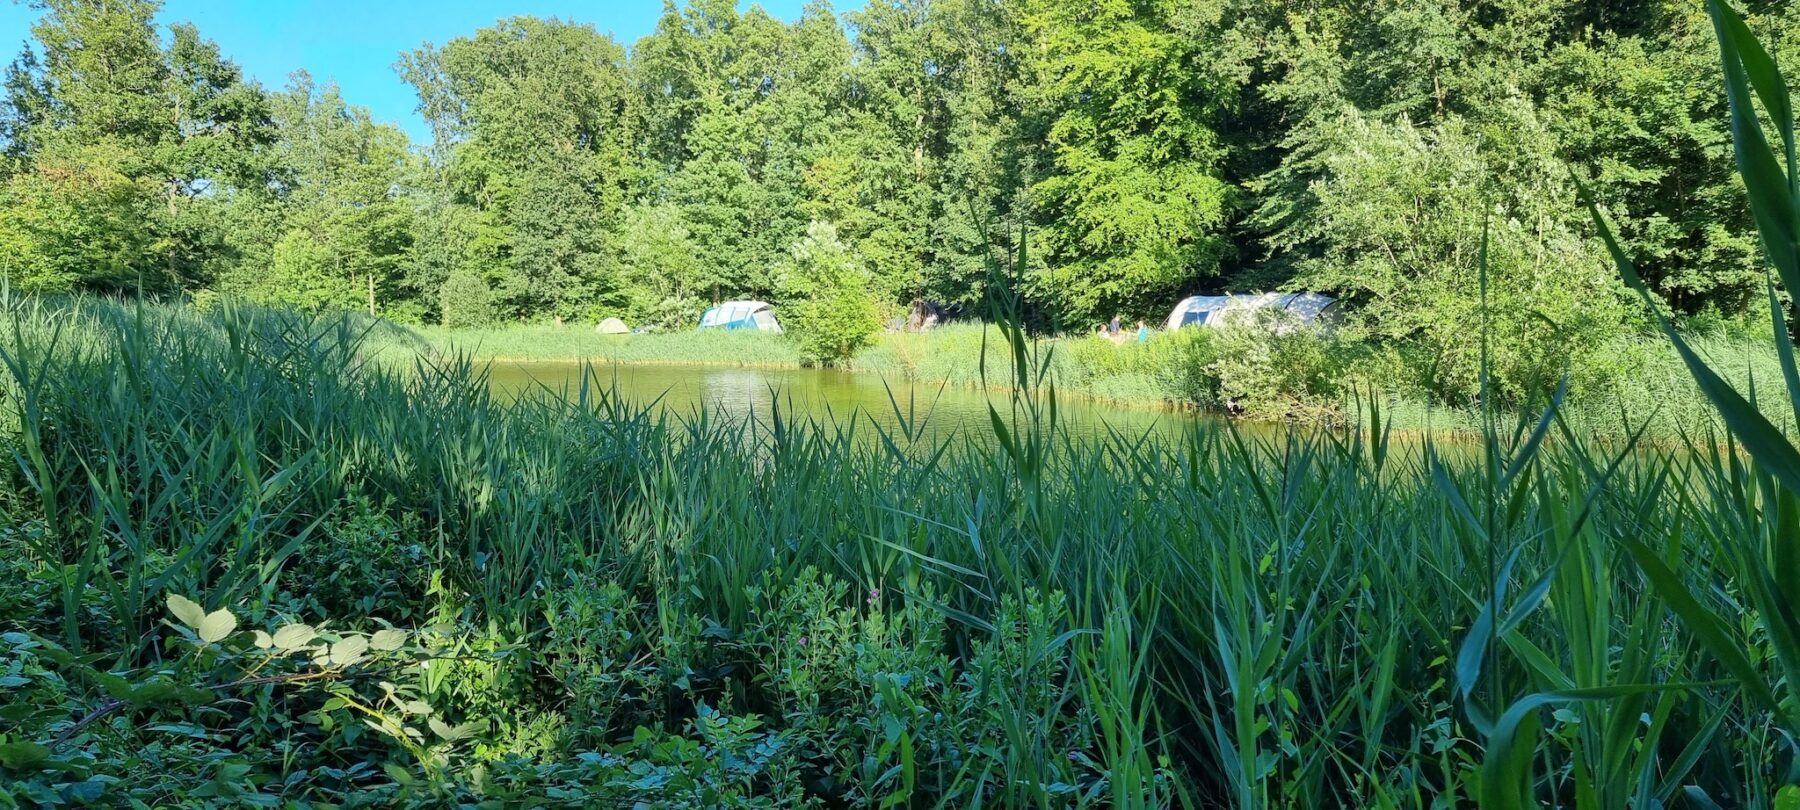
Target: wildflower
[[874, 594], [803, 641]]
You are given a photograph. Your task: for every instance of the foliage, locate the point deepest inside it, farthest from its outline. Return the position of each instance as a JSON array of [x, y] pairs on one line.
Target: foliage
[[1431, 249], [661, 265], [348, 232], [133, 154], [1135, 205], [465, 301], [605, 605], [533, 108], [828, 306], [1124, 154]]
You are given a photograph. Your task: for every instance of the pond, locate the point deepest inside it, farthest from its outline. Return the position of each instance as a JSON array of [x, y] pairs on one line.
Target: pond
[[827, 395]]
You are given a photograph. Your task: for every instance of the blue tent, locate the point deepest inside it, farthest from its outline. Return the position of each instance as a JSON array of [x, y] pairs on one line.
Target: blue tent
[[757, 315]]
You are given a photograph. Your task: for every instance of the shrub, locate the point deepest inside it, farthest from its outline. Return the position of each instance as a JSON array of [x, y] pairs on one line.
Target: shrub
[[1397, 219], [829, 309], [465, 301], [1269, 374], [376, 559]]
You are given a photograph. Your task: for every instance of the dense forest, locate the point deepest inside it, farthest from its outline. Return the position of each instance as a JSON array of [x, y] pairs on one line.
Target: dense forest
[[1139, 150]]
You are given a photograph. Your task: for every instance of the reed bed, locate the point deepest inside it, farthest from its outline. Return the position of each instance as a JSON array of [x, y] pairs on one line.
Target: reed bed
[[241, 564], [607, 597]]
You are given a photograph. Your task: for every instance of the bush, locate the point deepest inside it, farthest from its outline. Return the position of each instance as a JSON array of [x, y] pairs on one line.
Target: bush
[[829, 310], [465, 301], [1398, 217]]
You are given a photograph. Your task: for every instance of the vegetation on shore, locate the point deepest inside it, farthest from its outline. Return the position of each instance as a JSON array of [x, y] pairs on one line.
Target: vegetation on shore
[[1301, 377], [244, 561], [259, 569], [844, 165]]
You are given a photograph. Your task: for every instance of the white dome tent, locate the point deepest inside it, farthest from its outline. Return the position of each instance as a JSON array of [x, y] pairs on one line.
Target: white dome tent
[[756, 315], [1291, 309]]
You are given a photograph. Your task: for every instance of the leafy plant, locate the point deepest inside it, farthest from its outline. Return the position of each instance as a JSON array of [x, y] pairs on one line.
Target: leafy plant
[[830, 312]]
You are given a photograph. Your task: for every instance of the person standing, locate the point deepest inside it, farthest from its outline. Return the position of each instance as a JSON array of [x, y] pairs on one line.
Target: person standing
[[1143, 333]]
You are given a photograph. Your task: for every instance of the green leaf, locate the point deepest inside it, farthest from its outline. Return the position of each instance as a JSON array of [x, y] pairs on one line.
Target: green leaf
[[186, 612], [1772, 204], [19, 756], [1504, 763], [397, 773], [387, 640], [294, 637], [348, 650], [217, 625], [1710, 630], [1762, 440], [1788, 798], [115, 686], [84, 792], [441, 729], [264, 640]]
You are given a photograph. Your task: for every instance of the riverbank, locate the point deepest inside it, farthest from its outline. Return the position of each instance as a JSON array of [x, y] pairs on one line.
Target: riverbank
[[255, 563], [1306, 378]]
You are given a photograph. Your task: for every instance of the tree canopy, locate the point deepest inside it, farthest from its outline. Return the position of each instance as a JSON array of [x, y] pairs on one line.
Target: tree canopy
[[1140, 150]]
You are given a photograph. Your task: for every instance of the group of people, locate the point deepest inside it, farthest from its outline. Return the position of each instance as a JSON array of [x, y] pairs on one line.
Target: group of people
[[1116, 333]]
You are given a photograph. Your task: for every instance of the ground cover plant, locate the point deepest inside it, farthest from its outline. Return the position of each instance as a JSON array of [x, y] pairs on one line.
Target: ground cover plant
[[245, 563], [254, 569]]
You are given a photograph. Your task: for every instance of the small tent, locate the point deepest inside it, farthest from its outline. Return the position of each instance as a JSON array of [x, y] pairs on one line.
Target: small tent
[[1286, 310], [613, 326], [757, 315]]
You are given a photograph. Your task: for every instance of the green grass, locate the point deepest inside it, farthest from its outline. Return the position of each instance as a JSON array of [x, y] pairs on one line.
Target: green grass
[[252, 558], [606, 606], [575, 343], [1633, 381]]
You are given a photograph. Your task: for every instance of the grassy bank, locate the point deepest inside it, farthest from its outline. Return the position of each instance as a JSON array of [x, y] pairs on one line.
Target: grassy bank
[[239, 562], [1615, 388], [575, 343]]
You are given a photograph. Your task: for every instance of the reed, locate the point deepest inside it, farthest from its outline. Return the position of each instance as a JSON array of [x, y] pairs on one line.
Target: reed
[[614, 605], [1259, 620]]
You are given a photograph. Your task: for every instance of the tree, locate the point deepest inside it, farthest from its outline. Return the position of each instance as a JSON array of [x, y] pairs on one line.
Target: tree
[[128, 153], [736, 107], [1403, 213], [532, 135], [826, 297], [1133, 206], [662, 279], [346, 233]]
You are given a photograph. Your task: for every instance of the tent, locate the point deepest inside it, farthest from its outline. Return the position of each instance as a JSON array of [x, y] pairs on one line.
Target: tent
[[756, 315], [927, 315], [1287, 310], [612, 326]]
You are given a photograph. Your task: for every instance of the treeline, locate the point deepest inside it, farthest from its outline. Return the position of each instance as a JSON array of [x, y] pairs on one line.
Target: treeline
[[1139, 151]]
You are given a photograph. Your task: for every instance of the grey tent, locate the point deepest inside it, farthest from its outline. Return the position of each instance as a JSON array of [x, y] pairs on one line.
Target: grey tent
[[1282, 310], [613, 326]]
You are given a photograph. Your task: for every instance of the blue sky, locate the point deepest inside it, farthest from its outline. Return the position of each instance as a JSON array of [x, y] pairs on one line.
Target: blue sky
[[357, 42]]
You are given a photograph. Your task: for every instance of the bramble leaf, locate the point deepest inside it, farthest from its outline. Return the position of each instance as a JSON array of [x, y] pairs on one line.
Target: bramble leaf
[[189, 614], [217, 625]]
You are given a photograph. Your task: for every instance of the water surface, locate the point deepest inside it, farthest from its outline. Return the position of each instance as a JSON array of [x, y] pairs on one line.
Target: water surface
[[827, 395]]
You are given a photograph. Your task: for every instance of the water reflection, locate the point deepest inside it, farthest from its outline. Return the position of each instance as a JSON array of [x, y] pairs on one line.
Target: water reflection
[[827, 395]]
